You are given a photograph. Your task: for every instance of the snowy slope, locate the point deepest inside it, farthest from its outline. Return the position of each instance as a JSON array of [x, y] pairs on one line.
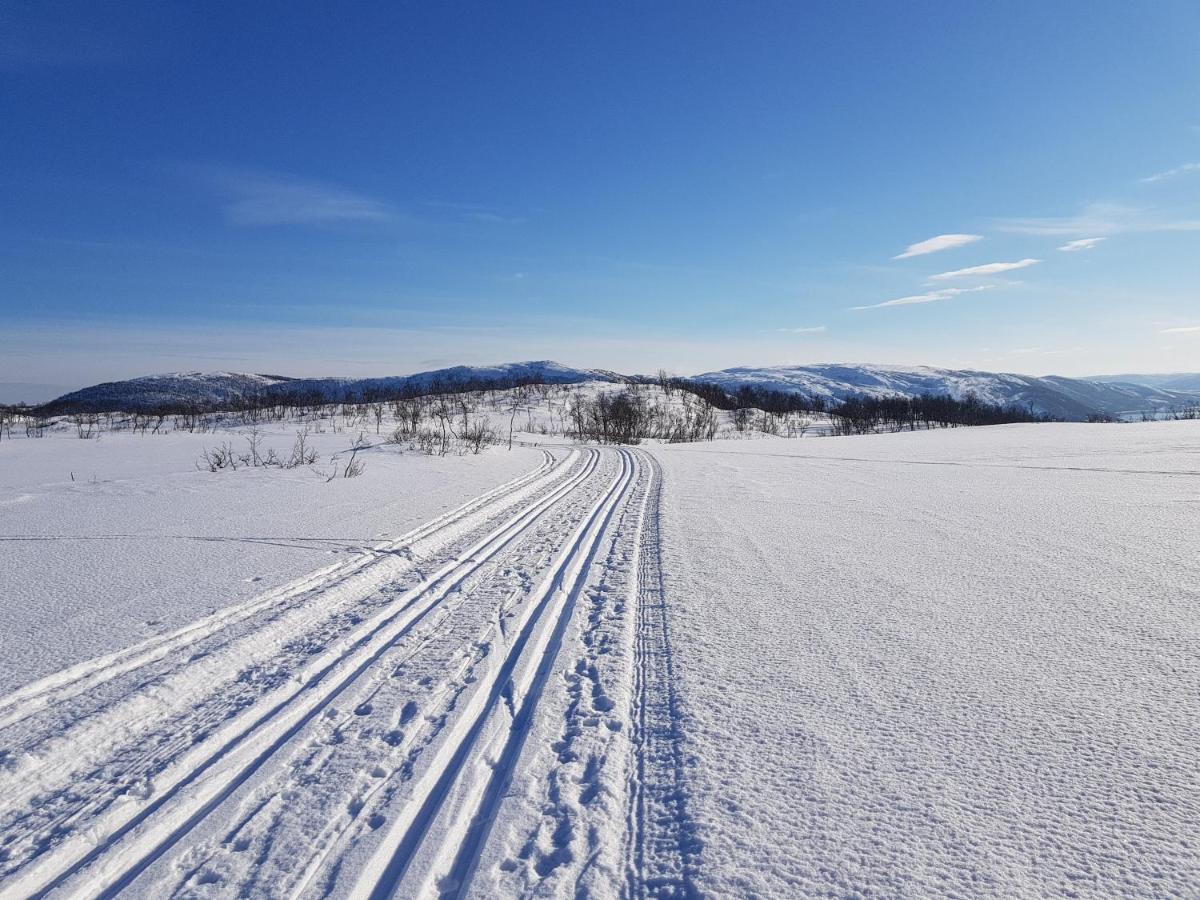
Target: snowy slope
[[1065, 398]]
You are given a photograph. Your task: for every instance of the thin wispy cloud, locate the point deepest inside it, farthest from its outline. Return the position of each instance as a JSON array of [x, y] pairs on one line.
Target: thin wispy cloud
[[987, 269], [492, 218], [476, 212], [1104, 219], [936, 244], [1080, 244], [1185, 169], [1044, 351], [927, 297], [257, 198], [1182, 329], [815, 329]]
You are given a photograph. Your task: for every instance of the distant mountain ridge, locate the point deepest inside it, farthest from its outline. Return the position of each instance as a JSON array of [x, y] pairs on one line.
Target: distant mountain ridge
[[1189, 382], [216, 389], [1073, 399], [150, 391]]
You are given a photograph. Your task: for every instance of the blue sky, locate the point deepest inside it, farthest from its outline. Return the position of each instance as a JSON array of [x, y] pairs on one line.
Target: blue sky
[[376, 188]]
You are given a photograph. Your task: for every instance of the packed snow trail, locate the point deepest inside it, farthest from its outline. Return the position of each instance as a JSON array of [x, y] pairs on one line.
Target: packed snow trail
[[662, 846], [405, 723]]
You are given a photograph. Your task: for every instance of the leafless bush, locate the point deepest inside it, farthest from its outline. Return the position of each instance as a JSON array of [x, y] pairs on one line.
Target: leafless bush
[[254, 442], [302, 454], [219, 458], [478, 434], [426, 440], [87, 425], [797, 424], [354, 466], [620, 418]]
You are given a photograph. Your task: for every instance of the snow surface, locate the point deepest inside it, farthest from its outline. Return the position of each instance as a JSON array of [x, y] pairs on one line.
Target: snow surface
[[939, 663], [142, 542], [957, 663], [448, 711]]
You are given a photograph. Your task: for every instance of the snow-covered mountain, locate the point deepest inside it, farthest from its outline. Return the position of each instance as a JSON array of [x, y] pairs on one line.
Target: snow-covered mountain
[[219, 388], [544, 370], [1188, 382], [1065, 398], [147, 392]]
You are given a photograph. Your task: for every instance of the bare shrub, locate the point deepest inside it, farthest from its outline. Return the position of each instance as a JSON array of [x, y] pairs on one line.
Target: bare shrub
[[478, 434], [302, 454], [221, 457], [87, 425]]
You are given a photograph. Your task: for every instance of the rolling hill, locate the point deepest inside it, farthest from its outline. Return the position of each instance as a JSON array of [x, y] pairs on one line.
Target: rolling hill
[[1072, 399]]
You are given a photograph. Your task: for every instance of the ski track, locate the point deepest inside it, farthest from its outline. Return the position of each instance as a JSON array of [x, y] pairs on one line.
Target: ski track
[[483, 707], [662, 846]]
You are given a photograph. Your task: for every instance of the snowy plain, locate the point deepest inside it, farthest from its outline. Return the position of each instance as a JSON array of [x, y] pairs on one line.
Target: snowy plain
[[939, 663], [956, 663], [104, 542]]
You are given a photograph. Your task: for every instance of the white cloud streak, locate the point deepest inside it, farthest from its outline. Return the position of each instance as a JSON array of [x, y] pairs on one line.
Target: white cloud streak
[[1171, 173], [985, 270], [935, 244], [816, 329], [1044, 351], [255, 198], [928, 297], [1182, 329], [1105, 219], [1080, 244]]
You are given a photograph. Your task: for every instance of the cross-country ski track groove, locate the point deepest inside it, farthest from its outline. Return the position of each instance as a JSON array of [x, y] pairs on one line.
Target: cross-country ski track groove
[[482, 707], [662, 847]]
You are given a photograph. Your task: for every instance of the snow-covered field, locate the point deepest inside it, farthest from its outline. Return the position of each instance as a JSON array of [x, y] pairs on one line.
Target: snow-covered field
[[959, 663], [107, 541], [944, 663]]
